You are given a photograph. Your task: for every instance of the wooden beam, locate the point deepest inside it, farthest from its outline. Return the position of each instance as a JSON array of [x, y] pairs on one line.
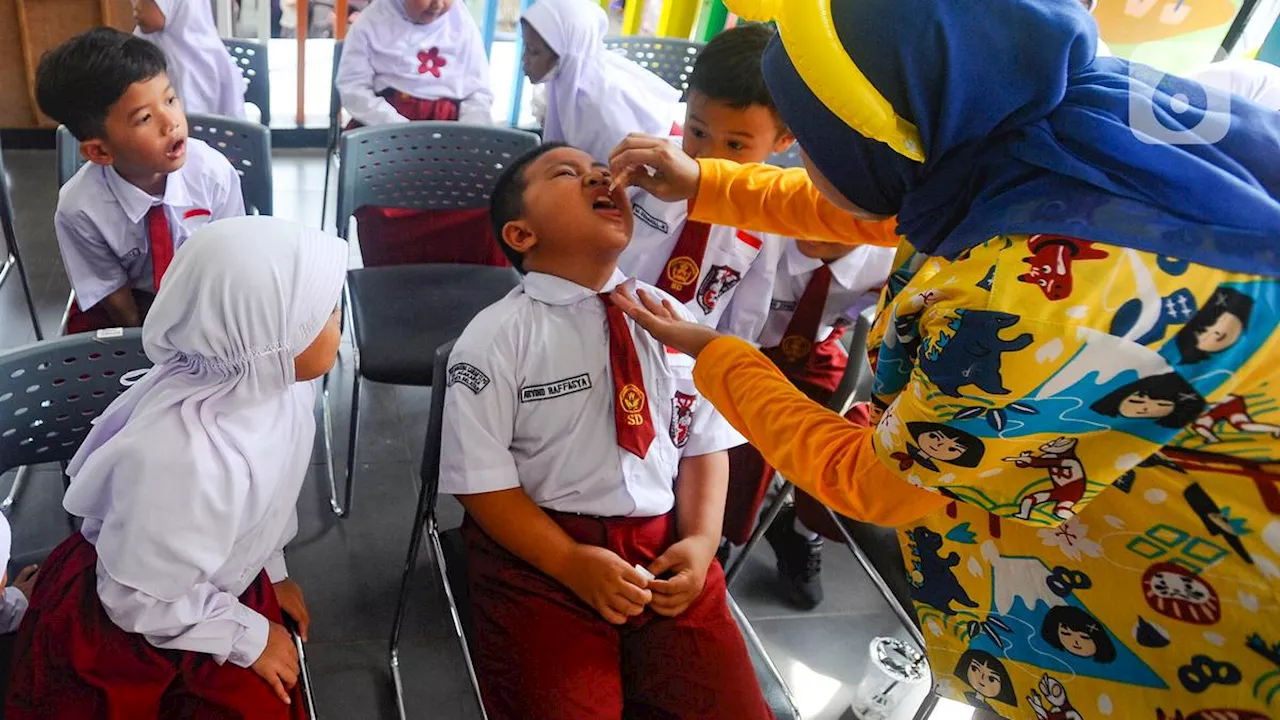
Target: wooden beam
[[105, 7], [301, 115], [28, 58], [340, 22]]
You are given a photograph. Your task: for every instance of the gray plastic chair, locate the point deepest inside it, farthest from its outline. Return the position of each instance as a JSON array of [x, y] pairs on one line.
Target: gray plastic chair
[[335, 117], [251, 57], [400, 314], [446, 552], [12, 253], [671, 60], [69, 157]]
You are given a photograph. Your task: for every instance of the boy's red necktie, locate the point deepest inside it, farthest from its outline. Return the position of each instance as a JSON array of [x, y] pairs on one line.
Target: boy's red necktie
[[797, 342], [680, 276], [630, 401], [161, 242]]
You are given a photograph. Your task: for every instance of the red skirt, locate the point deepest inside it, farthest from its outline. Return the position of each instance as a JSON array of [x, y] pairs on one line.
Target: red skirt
[[72, 663], [390, 236], [97, 317]]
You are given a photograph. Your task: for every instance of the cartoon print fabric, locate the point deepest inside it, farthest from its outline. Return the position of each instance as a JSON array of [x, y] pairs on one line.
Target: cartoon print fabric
[[1108, 423]]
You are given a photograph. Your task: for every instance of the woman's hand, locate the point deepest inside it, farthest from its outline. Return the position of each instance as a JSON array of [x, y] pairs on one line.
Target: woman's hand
[[289, 595], [663, 322], [675, 177]]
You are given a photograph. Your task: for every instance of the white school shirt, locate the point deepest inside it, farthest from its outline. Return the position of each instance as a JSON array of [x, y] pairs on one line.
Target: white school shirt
[[530, 404], [856, 280], [101, 220], [738, 266], [13, 605], [1253, 79], [384, 49]]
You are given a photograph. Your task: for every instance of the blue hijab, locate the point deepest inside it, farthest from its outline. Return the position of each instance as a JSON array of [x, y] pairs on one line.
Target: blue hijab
[[1025, 131]]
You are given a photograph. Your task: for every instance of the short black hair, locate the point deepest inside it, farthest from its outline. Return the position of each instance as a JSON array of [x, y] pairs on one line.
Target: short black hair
[[1224, 301], [729, 68], [1170, 387], [78, 81], [506, 204], [1007, 694], [1077, 620]]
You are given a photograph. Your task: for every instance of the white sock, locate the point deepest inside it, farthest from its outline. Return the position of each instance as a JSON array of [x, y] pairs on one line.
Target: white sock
[[804, 532]]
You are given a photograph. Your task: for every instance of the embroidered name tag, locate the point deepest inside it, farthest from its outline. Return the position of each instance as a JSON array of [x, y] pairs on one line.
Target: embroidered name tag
[[546, 391], [648, 219], [783, 305], [468, 375]]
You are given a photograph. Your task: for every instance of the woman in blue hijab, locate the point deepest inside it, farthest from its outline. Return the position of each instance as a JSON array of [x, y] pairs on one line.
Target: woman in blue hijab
[[1076, 412]]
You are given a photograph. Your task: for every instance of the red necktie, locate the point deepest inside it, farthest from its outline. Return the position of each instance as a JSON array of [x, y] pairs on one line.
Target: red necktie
[[797, 343], [631, 402], [161, 242], [680, 276]]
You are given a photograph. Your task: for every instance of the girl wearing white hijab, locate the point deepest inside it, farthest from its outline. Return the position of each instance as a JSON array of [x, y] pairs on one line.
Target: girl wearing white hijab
[[415, 60], [201, 69], [595, 98], [170, 598]]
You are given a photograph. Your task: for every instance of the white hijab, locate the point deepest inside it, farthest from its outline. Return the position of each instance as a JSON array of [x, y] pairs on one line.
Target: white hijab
[[1253, 79], [396, 42], [207, 79], [596, 97], [218, 428]]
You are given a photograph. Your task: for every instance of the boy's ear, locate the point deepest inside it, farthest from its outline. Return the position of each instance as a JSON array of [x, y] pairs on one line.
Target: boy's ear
[[96, 151], [784, 142], [519, 236]]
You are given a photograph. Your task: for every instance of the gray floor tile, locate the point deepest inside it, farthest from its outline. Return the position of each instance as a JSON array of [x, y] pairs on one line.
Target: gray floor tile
[[353, 681]]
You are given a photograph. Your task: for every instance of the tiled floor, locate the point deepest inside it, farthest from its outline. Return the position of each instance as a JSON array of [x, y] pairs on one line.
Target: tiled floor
[[351, 569]]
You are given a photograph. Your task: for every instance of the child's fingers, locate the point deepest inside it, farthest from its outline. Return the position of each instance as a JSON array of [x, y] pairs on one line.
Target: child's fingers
[[611, 616], [634, 594], [280, 691], [27, 573], [628, 162], [625, 607]]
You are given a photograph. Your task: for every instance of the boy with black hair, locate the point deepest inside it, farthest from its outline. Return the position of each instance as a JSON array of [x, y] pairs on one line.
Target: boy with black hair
[[146, 187], [593, 476]]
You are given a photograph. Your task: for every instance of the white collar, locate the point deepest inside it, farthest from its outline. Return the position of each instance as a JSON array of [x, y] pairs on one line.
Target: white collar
[[136, 202], [555, 290], [844, 270]]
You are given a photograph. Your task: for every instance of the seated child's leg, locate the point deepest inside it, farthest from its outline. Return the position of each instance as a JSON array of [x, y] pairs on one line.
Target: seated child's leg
[[694, 665], [748, 484], [540, 653]]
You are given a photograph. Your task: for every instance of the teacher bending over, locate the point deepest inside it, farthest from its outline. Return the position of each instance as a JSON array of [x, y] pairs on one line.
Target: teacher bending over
[[1076, 420]]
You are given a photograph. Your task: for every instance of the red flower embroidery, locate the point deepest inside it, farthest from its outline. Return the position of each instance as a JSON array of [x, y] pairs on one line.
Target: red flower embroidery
[[430, 61]]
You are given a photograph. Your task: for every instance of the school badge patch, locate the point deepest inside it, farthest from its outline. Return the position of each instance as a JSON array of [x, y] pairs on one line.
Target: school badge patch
[[631, 400], [719, 281], [682, 271], [681, 418], [795, 347], [468, 375]]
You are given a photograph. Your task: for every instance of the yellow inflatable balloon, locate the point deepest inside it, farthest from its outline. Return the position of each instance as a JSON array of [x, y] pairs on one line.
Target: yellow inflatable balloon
[[809, 34]]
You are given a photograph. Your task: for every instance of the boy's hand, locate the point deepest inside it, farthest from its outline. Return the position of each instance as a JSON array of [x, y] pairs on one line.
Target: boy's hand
[[663, 323], [607, 583], [289, 595], [278, 663], [26, 580], [688, 560], [676, 175]]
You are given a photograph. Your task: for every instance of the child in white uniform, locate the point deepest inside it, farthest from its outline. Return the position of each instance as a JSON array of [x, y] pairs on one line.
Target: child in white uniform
[[206, 77], [146, 186], [594, 97], [169, 601], [593, 475]]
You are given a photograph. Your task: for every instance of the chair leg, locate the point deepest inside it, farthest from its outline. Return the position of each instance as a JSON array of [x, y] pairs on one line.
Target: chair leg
[[19, 479], [304, 675], [420, 519], [66, 313], [442, 569], [324, 198], [353, 439], [735, 567]]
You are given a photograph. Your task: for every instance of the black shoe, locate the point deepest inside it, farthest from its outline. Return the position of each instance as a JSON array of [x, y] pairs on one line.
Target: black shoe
[[799, 560]]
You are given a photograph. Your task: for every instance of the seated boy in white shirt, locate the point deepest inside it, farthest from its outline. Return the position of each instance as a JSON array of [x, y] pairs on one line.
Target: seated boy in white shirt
[[588, 464], [146, 187]]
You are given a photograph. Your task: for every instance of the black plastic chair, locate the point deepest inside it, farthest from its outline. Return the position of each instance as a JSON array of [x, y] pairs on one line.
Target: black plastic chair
[[12, 253], [401, 314], [251, 58], [335, 129], [671, 60], [446, 550]]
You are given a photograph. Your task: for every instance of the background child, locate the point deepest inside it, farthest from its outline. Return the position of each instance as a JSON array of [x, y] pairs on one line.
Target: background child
[[594, 97], [170, 598], [581, 449], [146, 186], [200, 68], [411, 60]]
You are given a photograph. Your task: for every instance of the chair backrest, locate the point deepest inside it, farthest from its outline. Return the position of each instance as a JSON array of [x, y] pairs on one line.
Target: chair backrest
[[788, 159], [424, 166], [248, 146], [251, 58], [855, 384], [52, 390], [435, 425], [671, 60], [69, 157]]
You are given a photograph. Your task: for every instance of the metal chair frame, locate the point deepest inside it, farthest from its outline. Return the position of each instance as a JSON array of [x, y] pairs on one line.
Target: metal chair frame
[[672, 60], [335, 129], [426, 524], [414, 166], [12, 253], [251, 57]]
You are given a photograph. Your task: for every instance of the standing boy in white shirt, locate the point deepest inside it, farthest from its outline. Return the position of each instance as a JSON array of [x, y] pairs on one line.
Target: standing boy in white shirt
[[146, 187], [587, 463]]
